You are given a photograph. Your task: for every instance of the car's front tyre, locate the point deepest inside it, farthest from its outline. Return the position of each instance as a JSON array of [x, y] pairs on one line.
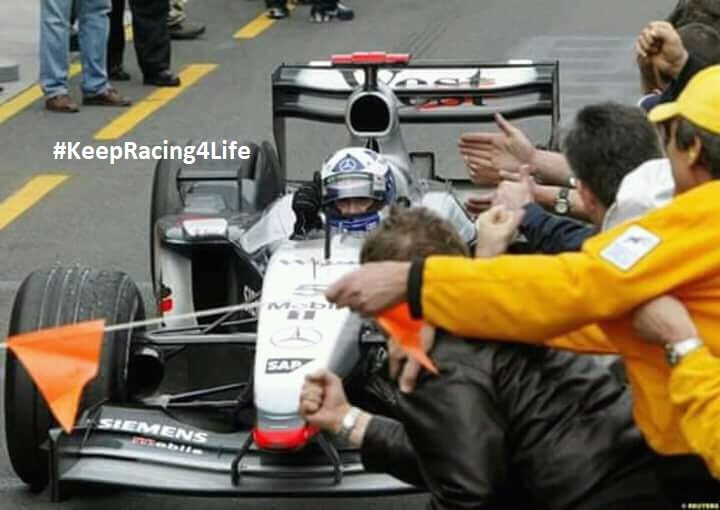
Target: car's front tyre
[[49, 298]]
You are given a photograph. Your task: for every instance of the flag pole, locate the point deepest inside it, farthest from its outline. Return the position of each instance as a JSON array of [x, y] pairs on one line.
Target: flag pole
[[159, 320]]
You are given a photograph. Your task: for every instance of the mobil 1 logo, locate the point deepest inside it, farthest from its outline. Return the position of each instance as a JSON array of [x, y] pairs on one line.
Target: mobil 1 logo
[[285, 365]]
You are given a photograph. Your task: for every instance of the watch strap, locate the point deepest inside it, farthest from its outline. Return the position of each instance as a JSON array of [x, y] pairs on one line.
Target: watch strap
[[348, 423], [677, 351]]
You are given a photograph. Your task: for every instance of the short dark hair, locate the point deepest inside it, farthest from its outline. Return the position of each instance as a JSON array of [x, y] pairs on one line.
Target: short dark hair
[[696, 11], [710, 154], [607, 141], [413, 232], [701, 41]]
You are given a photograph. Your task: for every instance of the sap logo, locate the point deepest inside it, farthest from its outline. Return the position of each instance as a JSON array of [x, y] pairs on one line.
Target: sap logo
[[285, 366]]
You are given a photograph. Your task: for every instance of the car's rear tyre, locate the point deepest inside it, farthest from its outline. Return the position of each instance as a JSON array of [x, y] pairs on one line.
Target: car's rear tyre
[[52, 297], [165, 200]]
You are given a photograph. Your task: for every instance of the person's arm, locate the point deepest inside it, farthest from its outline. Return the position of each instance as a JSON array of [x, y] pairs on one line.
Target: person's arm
[[550, 234], [532, 298], [383, 443], [491, 157], [695, 380], [552, 167], [690, 69], [546, 195], [695, 387], [385, 448]]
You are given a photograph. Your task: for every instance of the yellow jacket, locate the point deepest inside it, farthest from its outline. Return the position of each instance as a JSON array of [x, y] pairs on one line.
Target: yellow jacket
[[695, 388], [675, 249]]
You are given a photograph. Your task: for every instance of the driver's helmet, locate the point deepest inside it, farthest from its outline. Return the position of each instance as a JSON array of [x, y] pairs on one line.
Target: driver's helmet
[[357, 172]]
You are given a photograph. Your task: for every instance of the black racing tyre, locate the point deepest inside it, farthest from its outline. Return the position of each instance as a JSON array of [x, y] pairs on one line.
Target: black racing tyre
[[165, 200], [53, 297]]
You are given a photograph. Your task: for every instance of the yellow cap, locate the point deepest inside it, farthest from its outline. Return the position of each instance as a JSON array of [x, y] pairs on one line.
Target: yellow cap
[[699, 102]]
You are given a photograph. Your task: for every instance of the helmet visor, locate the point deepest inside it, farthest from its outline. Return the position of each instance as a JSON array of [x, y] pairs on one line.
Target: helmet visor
[[348, 185]]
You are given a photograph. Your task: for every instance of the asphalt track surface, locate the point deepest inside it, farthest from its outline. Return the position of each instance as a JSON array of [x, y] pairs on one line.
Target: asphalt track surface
[[99, 215]]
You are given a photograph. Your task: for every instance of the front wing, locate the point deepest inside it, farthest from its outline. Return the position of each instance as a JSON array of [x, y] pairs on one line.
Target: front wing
[[146, 449]]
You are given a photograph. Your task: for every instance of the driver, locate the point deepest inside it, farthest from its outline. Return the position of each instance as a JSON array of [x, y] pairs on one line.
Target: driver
[[353, 187]]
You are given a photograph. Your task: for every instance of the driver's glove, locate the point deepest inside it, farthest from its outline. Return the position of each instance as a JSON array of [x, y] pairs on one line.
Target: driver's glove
[[306, 205]]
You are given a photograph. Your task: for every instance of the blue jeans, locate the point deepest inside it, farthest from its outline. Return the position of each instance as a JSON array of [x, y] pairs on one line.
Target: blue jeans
[[55, 45]]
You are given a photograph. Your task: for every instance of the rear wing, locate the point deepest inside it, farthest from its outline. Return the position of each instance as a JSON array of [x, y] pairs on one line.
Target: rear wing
[[429, 92]]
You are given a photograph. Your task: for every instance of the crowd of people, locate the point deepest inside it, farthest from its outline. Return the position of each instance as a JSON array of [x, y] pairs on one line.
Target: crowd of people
[[607, 246], [100, 40]]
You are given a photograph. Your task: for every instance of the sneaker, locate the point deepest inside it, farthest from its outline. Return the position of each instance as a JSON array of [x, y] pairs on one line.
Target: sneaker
[[278, 13]]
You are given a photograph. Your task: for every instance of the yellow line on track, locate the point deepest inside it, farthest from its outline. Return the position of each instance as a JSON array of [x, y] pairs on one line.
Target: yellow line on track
[[129, 33], [29, 96], [27, 196], [127, 121], [257, 26]]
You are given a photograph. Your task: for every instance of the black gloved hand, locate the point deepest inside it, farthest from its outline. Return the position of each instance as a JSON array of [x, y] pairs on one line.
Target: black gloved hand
[[306, 205]]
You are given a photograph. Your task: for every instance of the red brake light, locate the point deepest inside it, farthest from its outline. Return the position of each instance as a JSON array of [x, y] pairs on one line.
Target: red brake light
[[370, 57], [166, 304]]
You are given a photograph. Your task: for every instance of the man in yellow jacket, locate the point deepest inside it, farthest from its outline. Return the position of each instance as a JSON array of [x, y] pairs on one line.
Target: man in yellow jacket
[[675, 249]]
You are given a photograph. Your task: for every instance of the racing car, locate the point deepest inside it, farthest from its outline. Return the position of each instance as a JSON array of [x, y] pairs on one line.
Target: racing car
[[225, 271]]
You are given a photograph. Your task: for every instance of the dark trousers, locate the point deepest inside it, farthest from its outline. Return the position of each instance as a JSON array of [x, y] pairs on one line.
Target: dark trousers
[[116, 40], [150, 34]]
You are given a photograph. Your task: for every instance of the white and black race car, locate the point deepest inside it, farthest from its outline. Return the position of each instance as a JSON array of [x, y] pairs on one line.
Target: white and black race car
[[220, 237]]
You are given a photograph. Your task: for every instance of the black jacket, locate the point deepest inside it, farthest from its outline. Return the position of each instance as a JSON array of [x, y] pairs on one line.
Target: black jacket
[[551, 234], [507, 416]]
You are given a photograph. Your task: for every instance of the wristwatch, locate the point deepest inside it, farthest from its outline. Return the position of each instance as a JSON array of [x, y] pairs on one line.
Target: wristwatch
[[348, 423], [562, 202], [674, 352]]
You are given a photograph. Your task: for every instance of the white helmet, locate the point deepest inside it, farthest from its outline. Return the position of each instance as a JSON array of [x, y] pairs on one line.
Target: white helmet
[[357, 172]]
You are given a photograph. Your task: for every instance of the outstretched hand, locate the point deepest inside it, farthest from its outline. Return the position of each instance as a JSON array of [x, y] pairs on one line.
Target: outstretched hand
[[491, 157], [371, 289], [515, 195]]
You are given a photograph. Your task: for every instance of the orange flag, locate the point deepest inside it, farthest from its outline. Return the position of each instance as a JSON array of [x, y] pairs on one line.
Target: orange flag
[[61, 361], [402, 328]]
